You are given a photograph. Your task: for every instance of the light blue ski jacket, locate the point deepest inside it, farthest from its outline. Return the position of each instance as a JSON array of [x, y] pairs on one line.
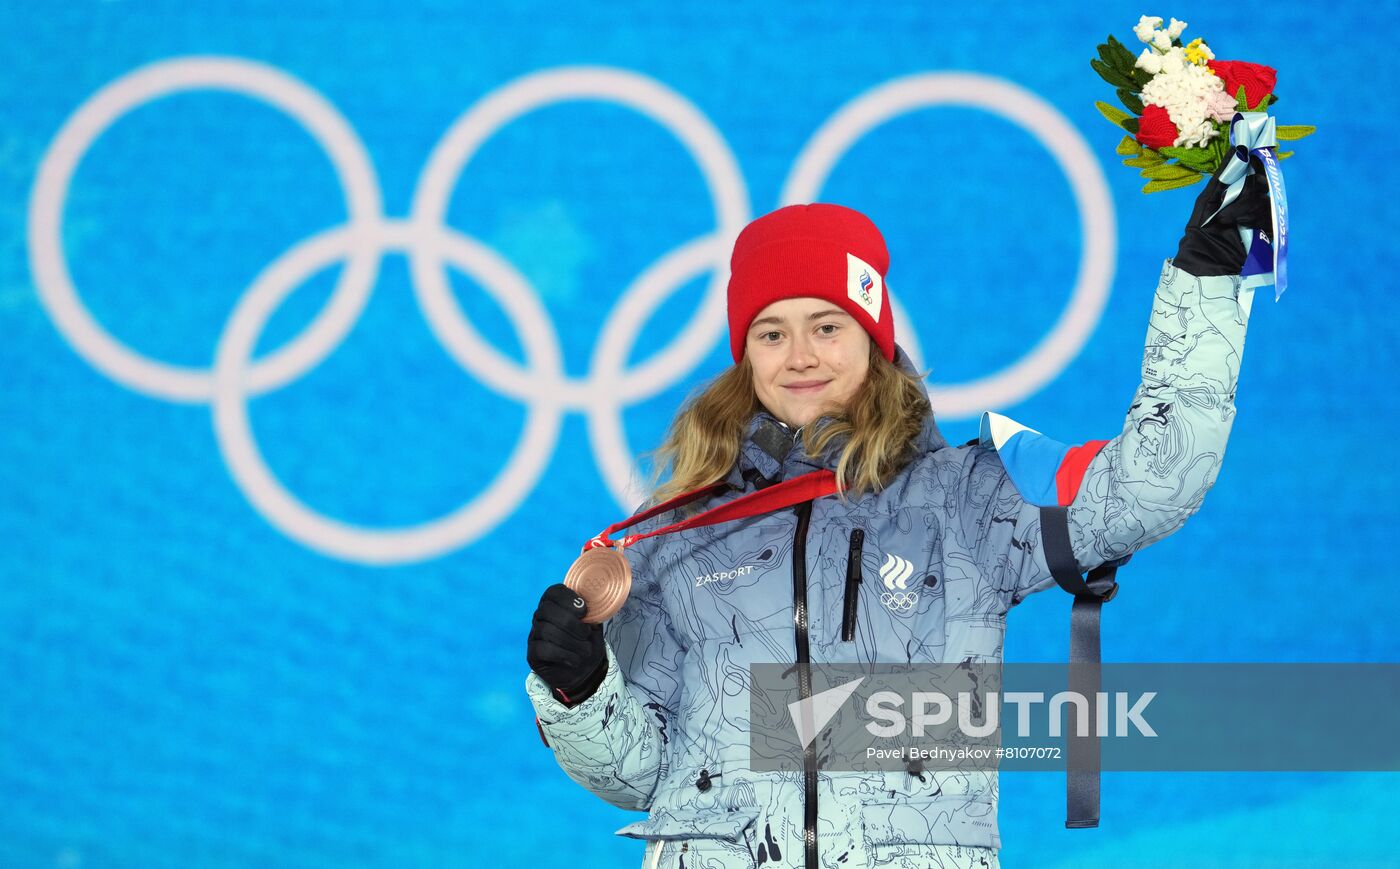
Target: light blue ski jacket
[[666, 731]]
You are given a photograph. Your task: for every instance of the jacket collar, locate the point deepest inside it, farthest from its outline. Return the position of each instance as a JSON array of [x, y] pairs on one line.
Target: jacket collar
[[773, 451]]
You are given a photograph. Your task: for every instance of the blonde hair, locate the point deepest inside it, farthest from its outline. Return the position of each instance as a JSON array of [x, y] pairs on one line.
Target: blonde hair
[[880, 424]]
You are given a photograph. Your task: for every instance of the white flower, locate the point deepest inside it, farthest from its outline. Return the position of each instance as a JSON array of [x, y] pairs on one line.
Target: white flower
[[1150, 61], [1192, 96], [1145, 26], [1198, 135]]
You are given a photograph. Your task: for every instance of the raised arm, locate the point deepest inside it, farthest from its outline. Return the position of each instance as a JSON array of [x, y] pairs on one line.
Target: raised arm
[[1148, 480], [1128, 492], [1144, 483]]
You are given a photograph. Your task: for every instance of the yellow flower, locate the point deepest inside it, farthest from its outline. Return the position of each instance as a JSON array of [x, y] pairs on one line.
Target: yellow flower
[[1198, 52]]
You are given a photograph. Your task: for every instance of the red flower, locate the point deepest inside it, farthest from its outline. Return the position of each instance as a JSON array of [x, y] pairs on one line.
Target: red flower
[[1156, 129], [1258, 80]]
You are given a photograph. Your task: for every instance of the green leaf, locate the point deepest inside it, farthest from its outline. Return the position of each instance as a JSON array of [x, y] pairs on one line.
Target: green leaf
[[1141, 77], [1131, 125], [1240, 104], [1168, 171], [1196, 158], [1154, 186], [1273, 98], [1129, 147], [1207, 166], [1284, 155], [1130, 101], [1150, 157], [1294, 131], [1111, 75], [1114, 115], [1126, 59], [1147, 158]]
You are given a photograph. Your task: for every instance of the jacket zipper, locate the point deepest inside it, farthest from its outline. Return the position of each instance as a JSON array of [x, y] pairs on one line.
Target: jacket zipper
[[853, 581], [804, 679]]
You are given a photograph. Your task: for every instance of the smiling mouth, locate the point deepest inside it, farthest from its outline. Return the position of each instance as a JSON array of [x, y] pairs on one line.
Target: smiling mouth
[[806, 387]]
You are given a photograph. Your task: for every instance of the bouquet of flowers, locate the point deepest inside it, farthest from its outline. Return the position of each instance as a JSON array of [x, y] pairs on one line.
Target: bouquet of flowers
[[1182, 102]]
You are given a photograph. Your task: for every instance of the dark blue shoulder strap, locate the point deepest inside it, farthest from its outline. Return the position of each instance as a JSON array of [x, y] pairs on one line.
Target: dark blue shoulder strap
[[1082, 772]]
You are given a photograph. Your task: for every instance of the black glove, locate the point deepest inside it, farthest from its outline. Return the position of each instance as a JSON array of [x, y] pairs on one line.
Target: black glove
[[1216, 249], [563, 651]]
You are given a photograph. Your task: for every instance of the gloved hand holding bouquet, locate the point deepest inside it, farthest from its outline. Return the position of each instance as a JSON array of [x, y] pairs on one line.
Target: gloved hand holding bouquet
[[1195, 117]]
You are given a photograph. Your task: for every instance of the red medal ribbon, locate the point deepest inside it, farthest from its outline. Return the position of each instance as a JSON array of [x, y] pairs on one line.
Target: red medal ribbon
[[807, 487]]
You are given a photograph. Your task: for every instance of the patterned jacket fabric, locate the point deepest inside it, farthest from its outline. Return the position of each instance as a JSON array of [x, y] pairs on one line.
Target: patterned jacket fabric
[[666, 731]]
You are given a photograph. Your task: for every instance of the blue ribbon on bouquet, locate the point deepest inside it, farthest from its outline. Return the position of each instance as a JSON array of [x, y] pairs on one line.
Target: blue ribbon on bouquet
[[1267, 259]]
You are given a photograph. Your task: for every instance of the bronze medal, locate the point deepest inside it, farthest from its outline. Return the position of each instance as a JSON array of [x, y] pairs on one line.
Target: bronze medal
[[602, 577]]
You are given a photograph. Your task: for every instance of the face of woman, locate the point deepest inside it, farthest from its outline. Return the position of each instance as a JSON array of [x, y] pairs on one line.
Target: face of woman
[[808, 356]]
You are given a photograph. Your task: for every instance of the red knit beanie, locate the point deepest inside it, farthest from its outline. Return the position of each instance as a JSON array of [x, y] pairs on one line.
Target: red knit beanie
[[826, 251]]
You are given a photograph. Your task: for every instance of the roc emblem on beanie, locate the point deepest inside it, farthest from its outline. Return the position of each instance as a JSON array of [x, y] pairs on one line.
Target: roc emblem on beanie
[[821, 250]]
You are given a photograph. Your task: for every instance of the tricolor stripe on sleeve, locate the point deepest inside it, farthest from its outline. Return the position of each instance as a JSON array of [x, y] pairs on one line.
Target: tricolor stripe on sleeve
[[1046, 472]]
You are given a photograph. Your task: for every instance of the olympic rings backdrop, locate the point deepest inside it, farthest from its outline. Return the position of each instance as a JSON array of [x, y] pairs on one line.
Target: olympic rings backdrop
[[331, 331]]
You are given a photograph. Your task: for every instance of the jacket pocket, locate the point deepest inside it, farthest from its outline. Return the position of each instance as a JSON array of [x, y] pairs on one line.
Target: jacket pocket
[[937, 821], [853, 581], [715, 824]]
